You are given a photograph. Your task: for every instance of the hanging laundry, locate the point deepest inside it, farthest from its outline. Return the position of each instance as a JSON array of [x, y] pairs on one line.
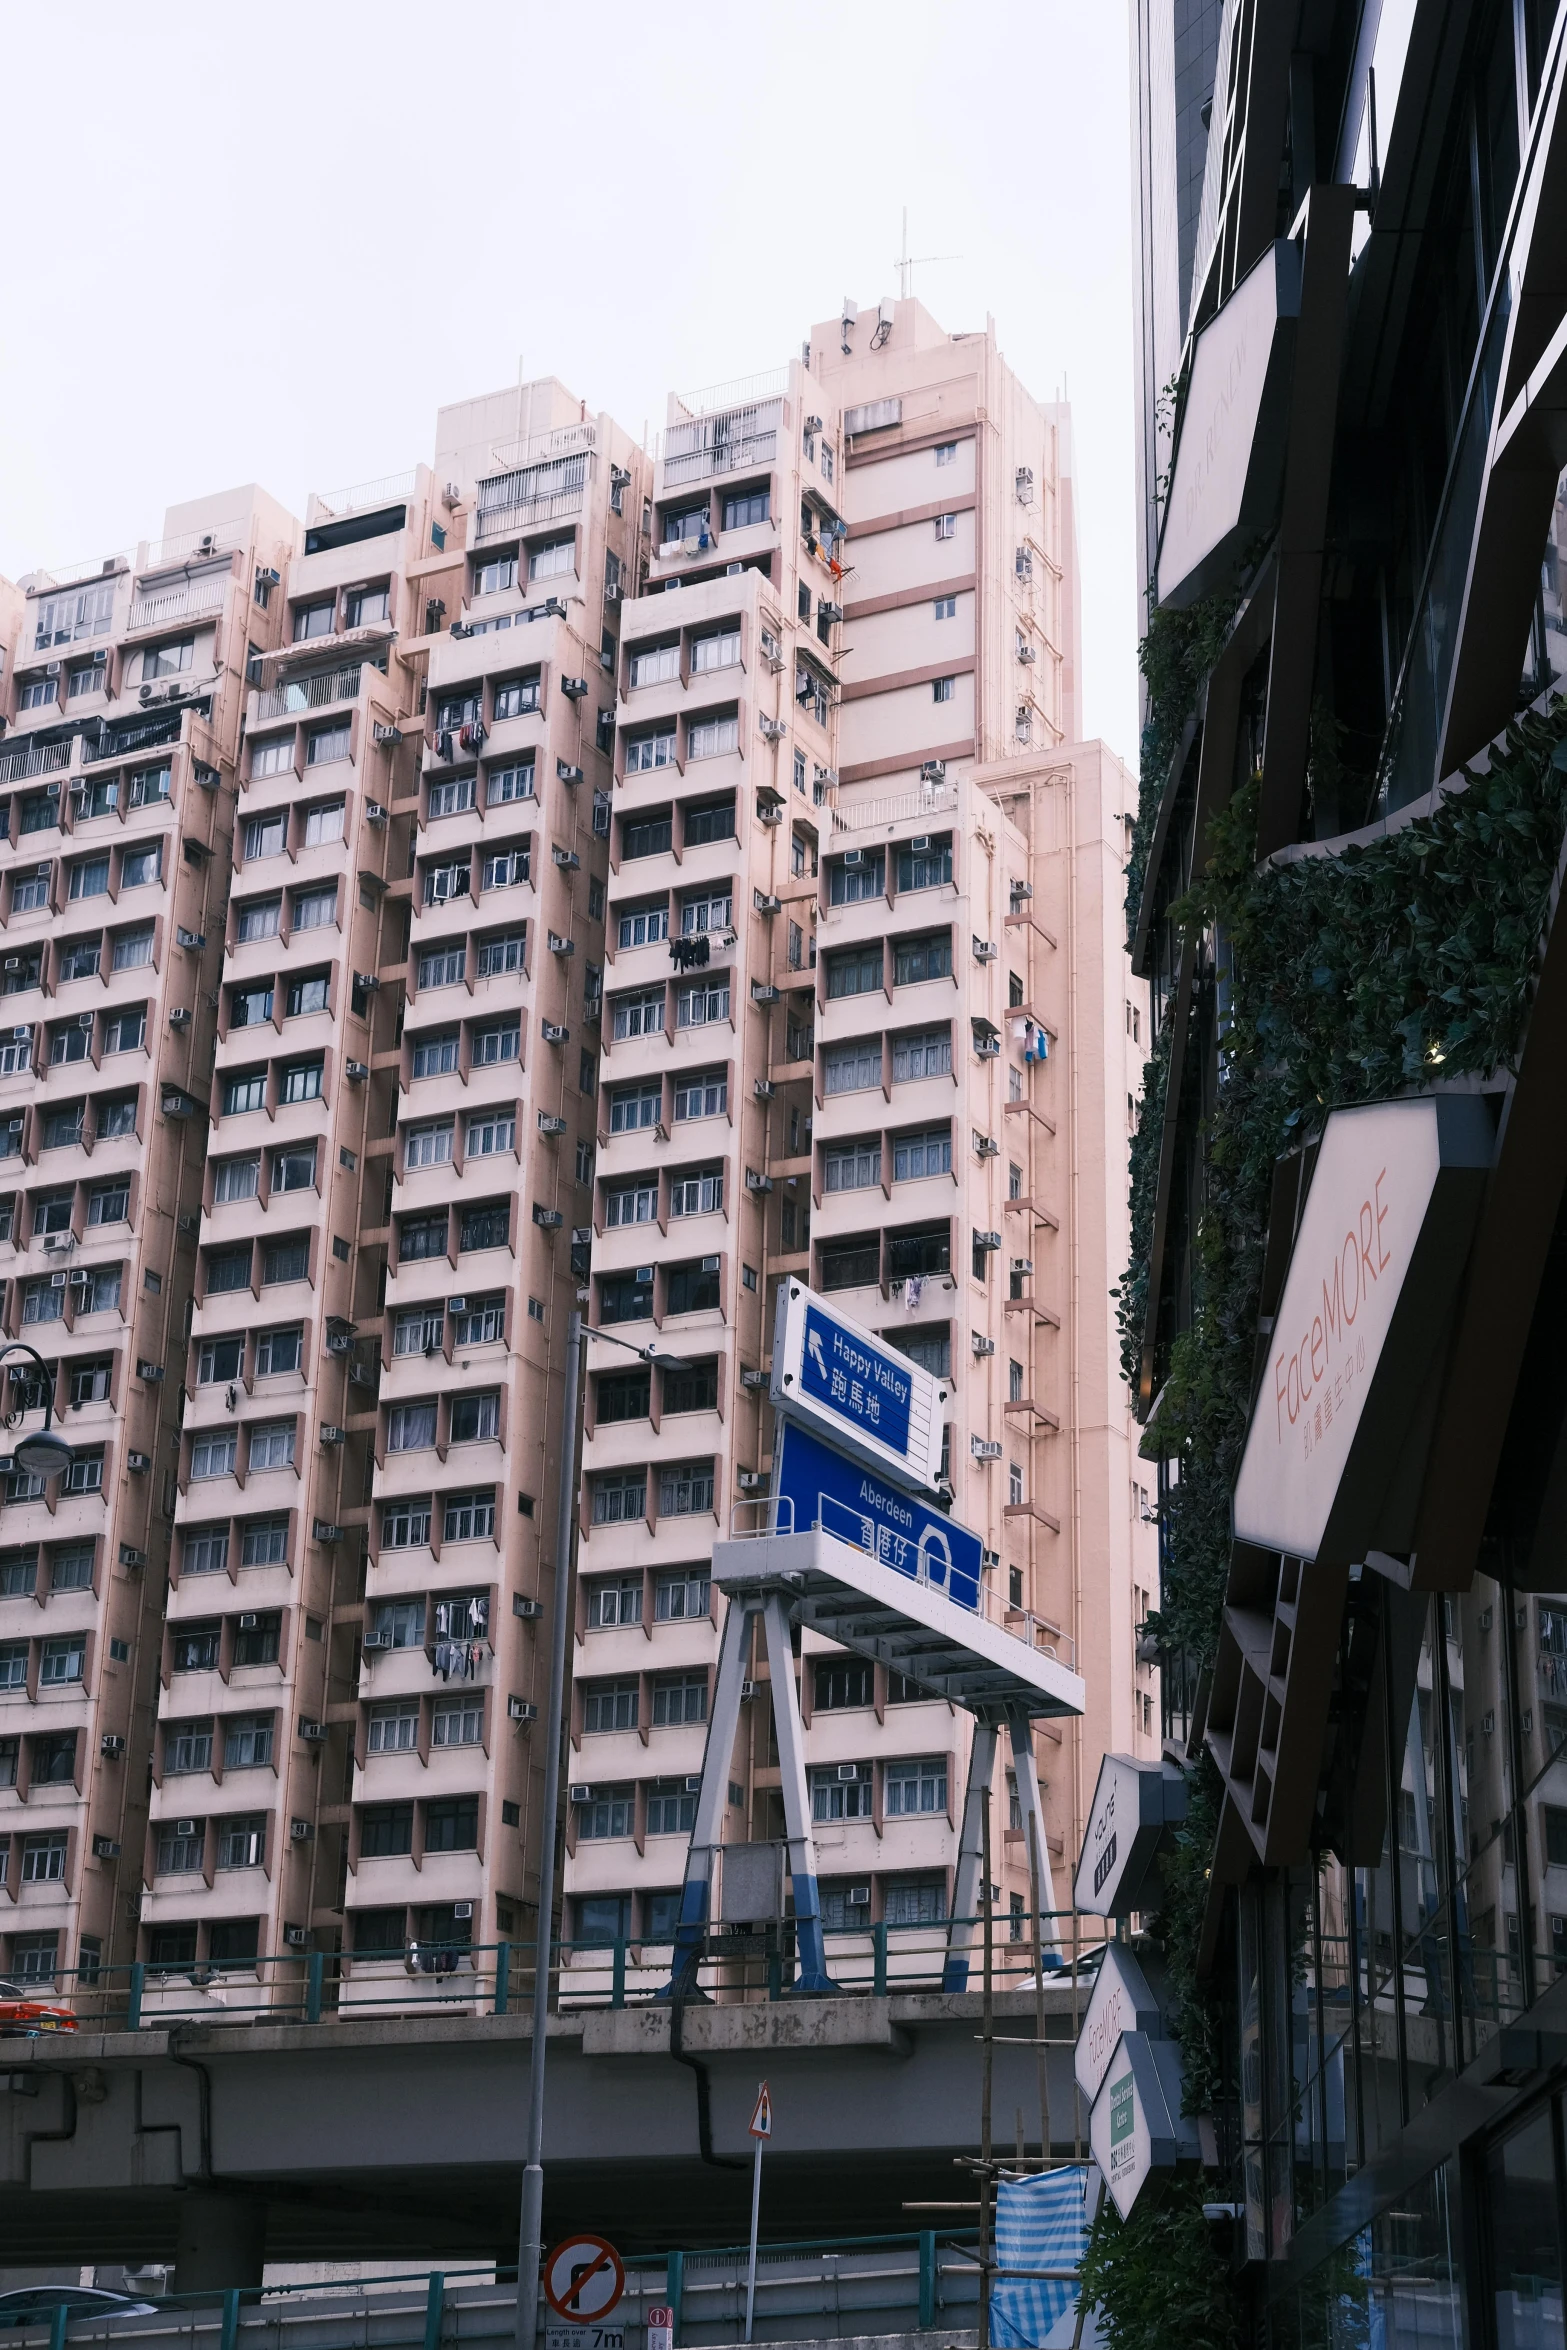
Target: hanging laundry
[[916, 1288]]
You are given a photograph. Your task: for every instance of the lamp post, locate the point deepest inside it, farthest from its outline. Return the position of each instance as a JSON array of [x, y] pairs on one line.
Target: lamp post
[[45, 1452], [530, 2246]]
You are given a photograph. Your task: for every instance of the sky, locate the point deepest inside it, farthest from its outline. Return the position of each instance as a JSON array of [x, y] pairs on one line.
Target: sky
[[265, 244]]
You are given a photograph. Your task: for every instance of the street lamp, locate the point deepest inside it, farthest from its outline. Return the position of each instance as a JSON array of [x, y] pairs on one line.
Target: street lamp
[[43, 1453], [530, 2248]]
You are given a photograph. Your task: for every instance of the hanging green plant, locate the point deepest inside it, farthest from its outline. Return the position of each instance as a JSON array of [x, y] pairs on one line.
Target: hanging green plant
[[1154, 2279], [1175, 658]]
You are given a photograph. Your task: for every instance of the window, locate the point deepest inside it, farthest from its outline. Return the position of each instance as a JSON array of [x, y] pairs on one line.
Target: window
[[609, 1705], [919, 959], [695, 1390], [644, 752], [697, 1006], [196, 1646], [294, 1170], [648, 836], [476, 1419], [693, 1289], [213, 1453], [187, 1746], [315, 909], [242, 1841], [42, 1302], [915, 1901], [634, 1107], [671, 1809], [244, 1092], [493, 1132], [418, 1330], [686, 1491], [709, 738], [264, 1542], [204, 1550], [249, 1006], [394, 1729], [682, 1596], [509, 783], [410, 1427], [139, 866], [945, 608], [125, 1031], [702, 1096], [272, 1444], [451, 1824], [700, 916], [931, 1349], [67, 619], [917, 1155], [946, 526], [258, 919], [469, 1517], [52, 1212], [301, 1082], [265, 836], [851, 885], [505, 951], [79, 960], [854, 971], [228, 1269], [278, 1351], [718, 651], [180, 1854], [618, 1601], [314, 620], [398, 1623], [923, 1052], [698, 1194], [405, 1525], [483, 1323], [435, 1052], [745, 508], [608, 1811], [30, 891], [366, 606], [946, 452], [638, 1015], [622, 1395], [13, 1665], [854, 1166], [553, 558], [852, 1068], [678, 1699], [841, 1791], [493, 1045], [386, 1830], [18, 1576], [63, 1661], [485, 1227], [489, 578], [917, 1785], [620, 1497], [516, 697], [926, 868], [842, 1682], [459, 1721], [285, 1260], [626, 1297], [70, 1569], [132, 949], [307, 994], [85, 1474], [63, 1129], [257, 1644], [942, 688], [218, 1360]]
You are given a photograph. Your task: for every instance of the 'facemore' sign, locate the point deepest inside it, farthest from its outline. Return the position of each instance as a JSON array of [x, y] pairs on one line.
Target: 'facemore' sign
[[855, 1389], [1370, 1287]]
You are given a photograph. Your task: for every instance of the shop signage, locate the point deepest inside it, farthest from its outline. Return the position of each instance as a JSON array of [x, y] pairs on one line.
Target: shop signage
[[1367, 1300], [1229, 453], [1136, 2127], [1134, 1803], [1120, 2002], [854, 1389]]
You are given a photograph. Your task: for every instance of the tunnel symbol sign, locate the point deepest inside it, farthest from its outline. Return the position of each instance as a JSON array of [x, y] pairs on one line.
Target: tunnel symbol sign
[[583, 2278]]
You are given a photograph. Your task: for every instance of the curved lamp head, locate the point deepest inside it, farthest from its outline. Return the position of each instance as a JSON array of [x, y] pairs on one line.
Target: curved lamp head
[[43, 1454]]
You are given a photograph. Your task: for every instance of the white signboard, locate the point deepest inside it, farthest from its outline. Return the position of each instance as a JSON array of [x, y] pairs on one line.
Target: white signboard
[[1228, 465], [855, 1389], [1134, 1802], [1121, 2002], [1135, 2128], [1395, 1183]]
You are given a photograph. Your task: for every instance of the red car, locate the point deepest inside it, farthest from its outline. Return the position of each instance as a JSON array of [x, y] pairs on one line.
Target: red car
[[23, 2013]]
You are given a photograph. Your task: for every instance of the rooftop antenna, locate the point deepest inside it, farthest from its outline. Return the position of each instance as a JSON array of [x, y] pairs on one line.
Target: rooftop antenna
[[908, 262]]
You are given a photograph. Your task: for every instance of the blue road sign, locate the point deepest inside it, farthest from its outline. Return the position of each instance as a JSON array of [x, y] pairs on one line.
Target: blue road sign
[[825, 1489], [868, 1386]]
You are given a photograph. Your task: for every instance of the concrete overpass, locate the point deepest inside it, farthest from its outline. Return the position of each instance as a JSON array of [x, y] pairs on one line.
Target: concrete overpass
[[217, 2145]]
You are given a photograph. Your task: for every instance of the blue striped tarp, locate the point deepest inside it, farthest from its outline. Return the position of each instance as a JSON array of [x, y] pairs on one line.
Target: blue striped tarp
[[1040, 2223]]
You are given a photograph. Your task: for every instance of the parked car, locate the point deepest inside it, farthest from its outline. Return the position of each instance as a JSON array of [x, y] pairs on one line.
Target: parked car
[[35, 2305], [23, 2012]]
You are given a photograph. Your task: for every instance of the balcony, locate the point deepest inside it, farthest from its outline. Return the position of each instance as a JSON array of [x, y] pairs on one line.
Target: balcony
[[548, 491], [309, 693], [31, 759], [192, 600], [142, 734], [731, 440]]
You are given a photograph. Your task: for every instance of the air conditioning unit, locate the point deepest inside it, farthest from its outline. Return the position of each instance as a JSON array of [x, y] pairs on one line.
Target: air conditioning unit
[[612, 591], [332, 1434], [987, 1047], [296, 1937], [84, 1019], [1022, 892], [580, 1794], [754, 1379], [248, 1621], [51, 791], [769, 812], [772, 650], [1027, 653], [934, 771], [854, 856], [57, 1281], [174, 1104], [528, 1609], [986, 1146], [374, 812], [378, 1640], [356, 1071], [987, 1240], [130, 1556], [184, 1827], [567, 859], [387, 737], [559, 945], [984, 1448], [574, 688], [553, 1032], [747, 1689], [462, 1910], [984, 950], [51, 669], [566, 773], [773, 729], [709, 1265], [179, 1017], [300, 1831], [763, 1088], [982, 1346], [755, 1180], [765, 902], [549, 1219], [57, 1243], [858, 1897], [313, 1733], [1024, 1265], [752, 1480], [13, 962], [693, 1783], [22, 1034], [550, 1124], [522, 1709], [111, 1745], [189, 1222], [194, 939], [457, 1305], [763, 993], [149, 1373], [138, 1463], [324, 1530]]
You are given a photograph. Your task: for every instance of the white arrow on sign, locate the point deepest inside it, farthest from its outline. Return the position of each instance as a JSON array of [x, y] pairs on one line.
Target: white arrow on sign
[[814, 1344]]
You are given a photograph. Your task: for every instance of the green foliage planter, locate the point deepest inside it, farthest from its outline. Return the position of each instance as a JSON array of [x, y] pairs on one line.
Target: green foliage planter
[[1175, 658], [1153, 2280]]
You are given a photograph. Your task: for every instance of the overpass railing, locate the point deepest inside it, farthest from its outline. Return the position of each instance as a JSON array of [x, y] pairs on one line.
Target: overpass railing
[[853, 2285], [496, 1978]]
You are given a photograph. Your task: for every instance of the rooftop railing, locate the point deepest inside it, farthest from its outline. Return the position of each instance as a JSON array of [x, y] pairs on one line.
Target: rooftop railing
[[220, 539], [734, 394], [726, 456], [494, 522], [364, 497], [69, 575], [564, 441], [932, 799]]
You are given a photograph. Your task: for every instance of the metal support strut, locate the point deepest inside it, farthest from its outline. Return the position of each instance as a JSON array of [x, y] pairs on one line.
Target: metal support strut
[[708, 1827], [796, 1799], [965, 1891]]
